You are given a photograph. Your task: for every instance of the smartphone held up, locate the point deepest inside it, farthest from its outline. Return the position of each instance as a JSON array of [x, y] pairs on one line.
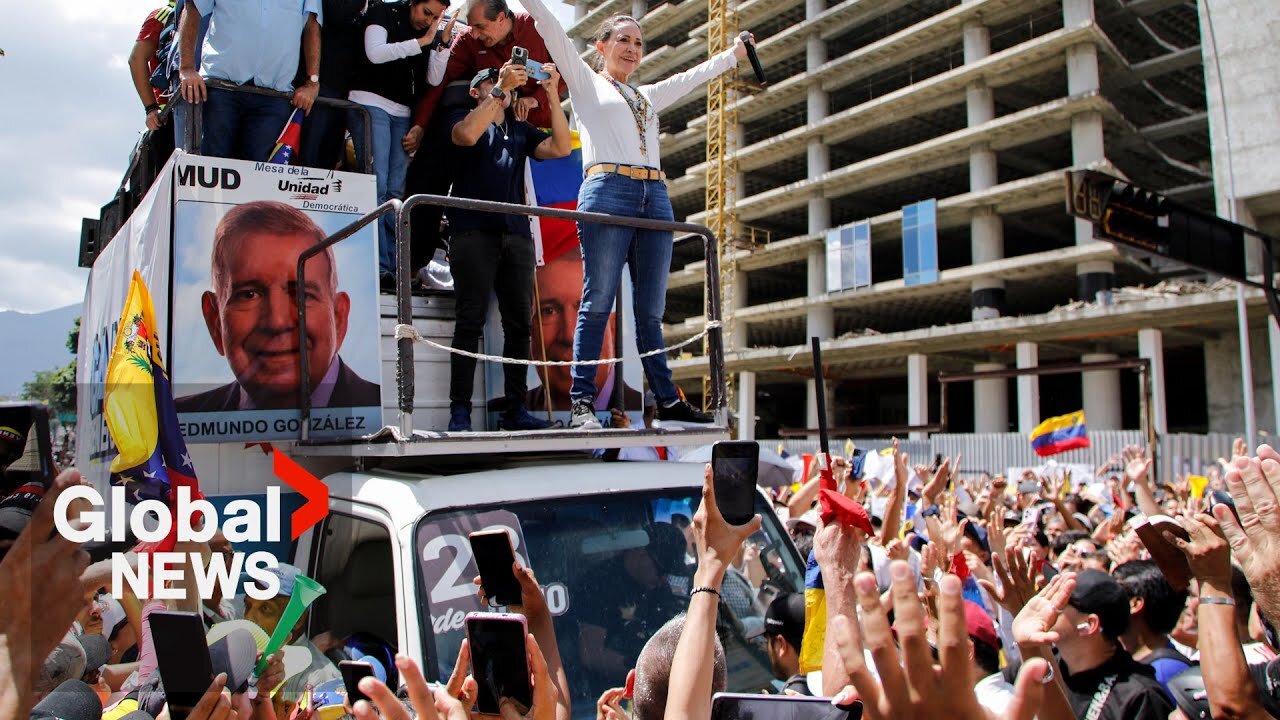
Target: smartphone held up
[[499, 661], [495, 557], [735, 469]]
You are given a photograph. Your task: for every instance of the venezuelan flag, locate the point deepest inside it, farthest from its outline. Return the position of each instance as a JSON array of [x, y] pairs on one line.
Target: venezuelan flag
[[290, 138], [815, 617], [153, 460], [555, 184], [1059, 434]]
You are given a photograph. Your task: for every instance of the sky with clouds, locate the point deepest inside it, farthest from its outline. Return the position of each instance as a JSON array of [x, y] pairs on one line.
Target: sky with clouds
[[70, 118]]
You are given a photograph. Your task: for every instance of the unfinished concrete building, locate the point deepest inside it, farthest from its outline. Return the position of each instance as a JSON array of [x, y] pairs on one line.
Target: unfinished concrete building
[[874, 105]]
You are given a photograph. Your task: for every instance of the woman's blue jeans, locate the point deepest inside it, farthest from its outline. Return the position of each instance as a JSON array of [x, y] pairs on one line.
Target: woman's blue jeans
[[605, 249], [390, 162]]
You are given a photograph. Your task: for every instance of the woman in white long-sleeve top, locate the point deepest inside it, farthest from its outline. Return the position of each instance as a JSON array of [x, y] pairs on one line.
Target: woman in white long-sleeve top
[[618, 124], [398, 48]]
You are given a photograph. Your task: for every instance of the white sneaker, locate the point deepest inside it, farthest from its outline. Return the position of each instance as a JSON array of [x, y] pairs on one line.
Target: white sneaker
[[584, 416], [436, 274]]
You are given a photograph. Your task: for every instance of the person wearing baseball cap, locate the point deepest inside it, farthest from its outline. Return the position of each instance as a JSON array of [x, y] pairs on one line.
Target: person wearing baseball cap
[[1103, 681], [784, 631]]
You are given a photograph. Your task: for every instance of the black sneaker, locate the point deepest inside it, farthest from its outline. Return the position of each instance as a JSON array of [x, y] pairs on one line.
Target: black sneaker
[[683, 412], [583, 416], [387, 283]]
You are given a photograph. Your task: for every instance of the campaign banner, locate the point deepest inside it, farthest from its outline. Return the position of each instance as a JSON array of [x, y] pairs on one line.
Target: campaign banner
[[141, 244], [239, 228], [556, 297]]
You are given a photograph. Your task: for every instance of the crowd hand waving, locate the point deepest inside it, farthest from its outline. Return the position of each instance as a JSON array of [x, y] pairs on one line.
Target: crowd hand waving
[[934, 487], [944, 529], [837, 549], [1137, 466], [910, 684], [1255, 538], [59, 563], [1017, 583], [740, 48], [1207, 552], [1033, 625], [427, 704]]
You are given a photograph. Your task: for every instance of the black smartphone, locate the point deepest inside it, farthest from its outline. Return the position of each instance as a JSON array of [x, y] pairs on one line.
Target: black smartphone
[[182, 657], [734, 706], [352, 673], [494, 557], [735, 465], [499, 661]]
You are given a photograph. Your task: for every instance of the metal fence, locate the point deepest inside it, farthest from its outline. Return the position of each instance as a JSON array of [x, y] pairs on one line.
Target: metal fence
[[1176, 454]]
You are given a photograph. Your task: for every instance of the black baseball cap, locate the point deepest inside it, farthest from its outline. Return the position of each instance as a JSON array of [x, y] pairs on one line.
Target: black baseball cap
[[484, 76], [785, 617], [1097, 593]]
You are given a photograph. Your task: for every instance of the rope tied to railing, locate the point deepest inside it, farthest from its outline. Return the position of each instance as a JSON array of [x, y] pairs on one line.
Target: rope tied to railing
[[409, 332]]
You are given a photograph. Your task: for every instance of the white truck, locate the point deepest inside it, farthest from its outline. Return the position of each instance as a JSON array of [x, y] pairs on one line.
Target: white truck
[[608, 540]]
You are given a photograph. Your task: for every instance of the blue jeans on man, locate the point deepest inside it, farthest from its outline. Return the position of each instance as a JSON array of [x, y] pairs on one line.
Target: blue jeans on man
[[242, 125], [390, 162], [646, 253]]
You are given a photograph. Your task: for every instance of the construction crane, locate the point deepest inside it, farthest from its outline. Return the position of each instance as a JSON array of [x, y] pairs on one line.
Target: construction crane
[[722, 171]]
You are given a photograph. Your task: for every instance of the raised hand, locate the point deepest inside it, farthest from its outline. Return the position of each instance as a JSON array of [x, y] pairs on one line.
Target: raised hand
[[1017, 581], [910, 685], [1034, 623], [1207, 552], [1255, 538]]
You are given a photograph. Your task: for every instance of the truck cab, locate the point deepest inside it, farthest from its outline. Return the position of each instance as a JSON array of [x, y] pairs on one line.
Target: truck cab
[[608, 542]]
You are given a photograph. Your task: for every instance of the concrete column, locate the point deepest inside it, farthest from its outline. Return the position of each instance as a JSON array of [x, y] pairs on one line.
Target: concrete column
[[819, 319], [990, 401], [1087, 142], [918, 393], [1151, 347], [738, 340], [1028, 355], [639, 8], [986, 238], [746, 406], [580, 10], [1101, 392]]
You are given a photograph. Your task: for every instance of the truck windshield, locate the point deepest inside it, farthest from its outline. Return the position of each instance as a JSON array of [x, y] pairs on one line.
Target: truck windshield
[[614, 569]]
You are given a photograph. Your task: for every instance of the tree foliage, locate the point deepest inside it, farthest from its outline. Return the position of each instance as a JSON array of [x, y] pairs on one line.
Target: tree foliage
[[57, 387]]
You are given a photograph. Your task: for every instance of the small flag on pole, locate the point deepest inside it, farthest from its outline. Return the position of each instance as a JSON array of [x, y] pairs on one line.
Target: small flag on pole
[[290, 138], [1059, 434]]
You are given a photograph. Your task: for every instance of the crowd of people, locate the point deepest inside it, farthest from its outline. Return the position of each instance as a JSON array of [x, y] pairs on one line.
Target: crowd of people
[[434, 111], [971, 595]]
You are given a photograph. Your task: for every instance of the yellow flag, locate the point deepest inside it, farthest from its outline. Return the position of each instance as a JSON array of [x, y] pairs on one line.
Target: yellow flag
[[1198, 484], [129, 403]]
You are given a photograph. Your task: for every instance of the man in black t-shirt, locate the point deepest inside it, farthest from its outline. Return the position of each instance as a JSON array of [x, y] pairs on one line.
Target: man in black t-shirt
[[1103, 681], [492, 252]]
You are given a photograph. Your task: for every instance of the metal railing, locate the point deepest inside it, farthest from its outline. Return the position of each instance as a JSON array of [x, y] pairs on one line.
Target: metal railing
[[154, 148], [304, 362], [993, 453], [405, 384]]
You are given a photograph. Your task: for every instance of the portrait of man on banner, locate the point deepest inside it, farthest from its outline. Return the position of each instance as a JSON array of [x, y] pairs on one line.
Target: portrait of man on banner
[[250, 313]]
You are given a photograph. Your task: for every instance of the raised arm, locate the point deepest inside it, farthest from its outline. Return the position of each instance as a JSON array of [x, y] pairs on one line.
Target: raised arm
[[664, 93], [577, 74]]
